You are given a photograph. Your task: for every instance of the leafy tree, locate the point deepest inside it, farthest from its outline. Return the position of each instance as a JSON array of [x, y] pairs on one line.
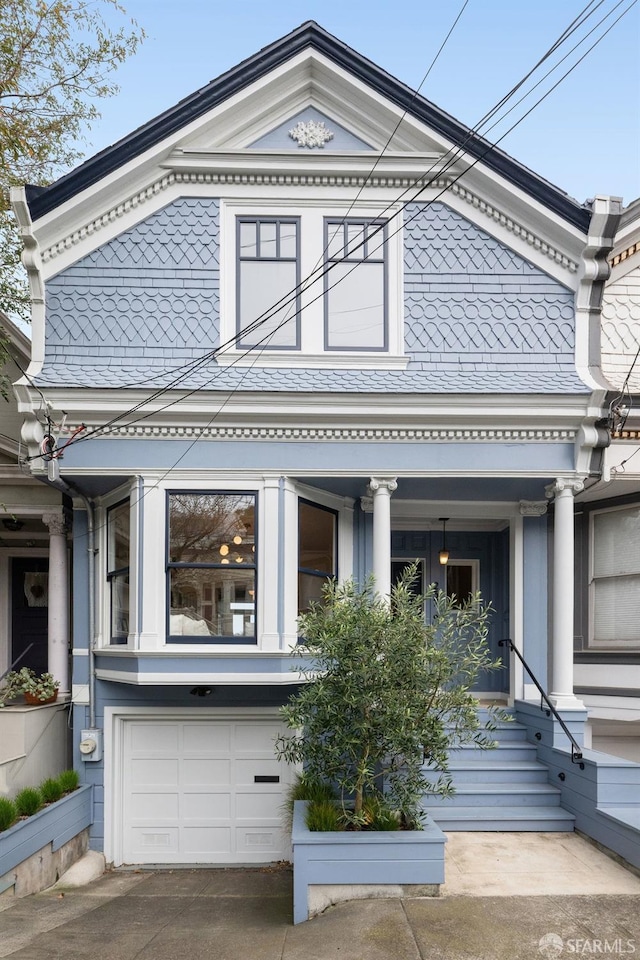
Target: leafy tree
[[386, 693], [56, 58]]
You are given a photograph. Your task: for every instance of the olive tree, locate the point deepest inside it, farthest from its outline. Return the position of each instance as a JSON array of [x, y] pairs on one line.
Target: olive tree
[[386, 692]]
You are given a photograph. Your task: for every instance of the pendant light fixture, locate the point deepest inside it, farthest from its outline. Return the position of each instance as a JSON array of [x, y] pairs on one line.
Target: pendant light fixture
[[443, 556]]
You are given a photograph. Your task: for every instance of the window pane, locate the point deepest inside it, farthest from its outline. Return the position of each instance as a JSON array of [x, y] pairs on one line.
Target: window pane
[[248, 246], [212, 602], [335, 241], [355, 307], [212, 528], [118, 537], [268, 236], [120, 607], [376, 235], [263, 284], [459, 581], [288, 240], [309, 590], [317, 535], [616, 605], [355, 241], [616, 542]]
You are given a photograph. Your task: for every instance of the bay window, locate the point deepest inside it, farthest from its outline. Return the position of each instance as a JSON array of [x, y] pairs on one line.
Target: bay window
[[317, 562], [211, 567], [118, 543], [615, 584]]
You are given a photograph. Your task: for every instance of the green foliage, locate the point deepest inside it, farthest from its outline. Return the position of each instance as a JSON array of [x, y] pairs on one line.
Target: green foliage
[[56, 58], [379, 815], [50, 790], [28, 801], [386, 692], [303, 788], [8, 813], [69, 781], [17, 682], [323, 815]]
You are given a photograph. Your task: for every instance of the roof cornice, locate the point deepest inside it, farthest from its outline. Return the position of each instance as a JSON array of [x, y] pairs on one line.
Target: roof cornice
[[256, 67]]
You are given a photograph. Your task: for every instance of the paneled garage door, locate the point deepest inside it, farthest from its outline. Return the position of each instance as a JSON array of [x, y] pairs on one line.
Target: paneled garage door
[[202, 791]]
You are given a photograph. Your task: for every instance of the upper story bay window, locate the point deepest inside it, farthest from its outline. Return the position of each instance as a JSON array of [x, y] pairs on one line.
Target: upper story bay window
[[211, 567], [311, 286]]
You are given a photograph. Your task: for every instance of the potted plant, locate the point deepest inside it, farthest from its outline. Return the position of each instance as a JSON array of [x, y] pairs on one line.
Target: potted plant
[[387, 694], [37, 688]]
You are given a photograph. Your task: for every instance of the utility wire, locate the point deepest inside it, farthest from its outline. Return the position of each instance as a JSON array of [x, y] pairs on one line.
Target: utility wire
[[457, 151]]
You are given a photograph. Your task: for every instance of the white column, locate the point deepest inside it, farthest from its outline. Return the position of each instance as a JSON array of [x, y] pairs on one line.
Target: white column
[[381, 489], [58, 624], [562, 695]]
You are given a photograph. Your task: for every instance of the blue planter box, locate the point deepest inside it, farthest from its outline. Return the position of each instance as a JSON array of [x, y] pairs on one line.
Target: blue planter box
[[370, 858], [56, 824]]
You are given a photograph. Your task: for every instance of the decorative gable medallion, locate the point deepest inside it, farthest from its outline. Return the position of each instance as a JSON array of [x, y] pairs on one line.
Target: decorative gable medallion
[[311, 133]]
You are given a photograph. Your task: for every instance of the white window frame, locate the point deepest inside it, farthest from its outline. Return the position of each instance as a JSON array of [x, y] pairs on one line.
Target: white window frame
[[103, 606], [312, 353], [603, 646]]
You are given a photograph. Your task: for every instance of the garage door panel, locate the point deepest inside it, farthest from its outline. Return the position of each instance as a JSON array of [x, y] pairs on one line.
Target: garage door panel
[[206, 806], [190, 796], [153, 738], [201, 738], [206, 772], [154, 771], [200, 841]]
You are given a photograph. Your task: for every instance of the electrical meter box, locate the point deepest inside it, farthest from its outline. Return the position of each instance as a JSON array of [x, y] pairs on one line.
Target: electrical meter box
[[91, 745]]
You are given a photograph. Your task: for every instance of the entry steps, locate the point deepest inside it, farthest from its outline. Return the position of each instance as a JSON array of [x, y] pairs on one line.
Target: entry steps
[[501, 789]]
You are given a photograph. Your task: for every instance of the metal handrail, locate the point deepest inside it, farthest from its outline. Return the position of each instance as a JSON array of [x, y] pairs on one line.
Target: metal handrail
[[576, 750]]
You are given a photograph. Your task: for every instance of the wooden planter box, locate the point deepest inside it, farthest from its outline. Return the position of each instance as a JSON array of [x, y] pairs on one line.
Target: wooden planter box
[[55, 824], [331, 867]]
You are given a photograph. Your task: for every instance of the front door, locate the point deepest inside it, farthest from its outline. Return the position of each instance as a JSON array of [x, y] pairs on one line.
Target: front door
[[29, 612]]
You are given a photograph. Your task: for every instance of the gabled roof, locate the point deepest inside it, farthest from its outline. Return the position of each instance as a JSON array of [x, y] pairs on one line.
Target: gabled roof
[[309, 34]]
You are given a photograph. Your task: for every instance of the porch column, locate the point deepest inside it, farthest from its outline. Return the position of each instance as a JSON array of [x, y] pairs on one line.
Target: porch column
[[562, 695], [381, 489], [58, 624]]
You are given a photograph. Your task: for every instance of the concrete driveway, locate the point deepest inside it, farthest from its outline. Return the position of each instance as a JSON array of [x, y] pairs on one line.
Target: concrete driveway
[[245, 914]]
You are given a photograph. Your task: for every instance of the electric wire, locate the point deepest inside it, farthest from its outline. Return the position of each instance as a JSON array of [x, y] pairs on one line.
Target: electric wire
[[457, 151]]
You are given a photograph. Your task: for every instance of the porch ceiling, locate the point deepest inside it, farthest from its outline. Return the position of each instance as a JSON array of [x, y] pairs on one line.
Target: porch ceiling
[[482, 489]]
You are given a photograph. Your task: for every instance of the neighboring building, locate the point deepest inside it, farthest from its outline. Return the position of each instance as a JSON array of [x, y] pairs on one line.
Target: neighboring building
[[34, 604], [438, 367], [608, 523]]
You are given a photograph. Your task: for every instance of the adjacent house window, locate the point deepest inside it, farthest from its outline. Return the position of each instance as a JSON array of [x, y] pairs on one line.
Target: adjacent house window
[[317, 530], [355, 285], [212, 567], [268, 271], [615, 582], [118, 540]]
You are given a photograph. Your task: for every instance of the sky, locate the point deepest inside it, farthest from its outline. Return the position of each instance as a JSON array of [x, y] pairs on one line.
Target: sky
[[584, 138]]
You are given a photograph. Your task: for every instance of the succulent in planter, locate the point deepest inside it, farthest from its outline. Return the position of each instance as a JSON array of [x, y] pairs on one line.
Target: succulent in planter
[[35, 687], [386, 693]]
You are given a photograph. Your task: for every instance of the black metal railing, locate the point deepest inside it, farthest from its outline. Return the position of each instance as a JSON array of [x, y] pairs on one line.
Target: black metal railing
[[576, 750]]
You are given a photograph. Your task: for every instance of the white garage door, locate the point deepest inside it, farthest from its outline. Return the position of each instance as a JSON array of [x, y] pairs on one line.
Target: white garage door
[[203, 791]]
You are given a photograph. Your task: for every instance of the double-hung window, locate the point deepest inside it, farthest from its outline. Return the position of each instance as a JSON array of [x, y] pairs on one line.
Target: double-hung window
[[317, 538], [355, 302], [268, 278], [211, 567], [118, 539], [615, 583]]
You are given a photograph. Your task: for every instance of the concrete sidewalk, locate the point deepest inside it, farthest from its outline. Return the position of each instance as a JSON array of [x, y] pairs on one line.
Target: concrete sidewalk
[[588, 904]]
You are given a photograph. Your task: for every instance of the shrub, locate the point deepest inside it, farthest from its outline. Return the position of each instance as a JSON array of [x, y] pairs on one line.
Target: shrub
[[379, 815], [28, 801], [323, 815], [50, 790], [69, 780], [386, 692], [8, 813]]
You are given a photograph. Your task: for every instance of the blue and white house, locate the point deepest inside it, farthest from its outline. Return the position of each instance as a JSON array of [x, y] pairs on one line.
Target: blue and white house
[[303, 324]]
